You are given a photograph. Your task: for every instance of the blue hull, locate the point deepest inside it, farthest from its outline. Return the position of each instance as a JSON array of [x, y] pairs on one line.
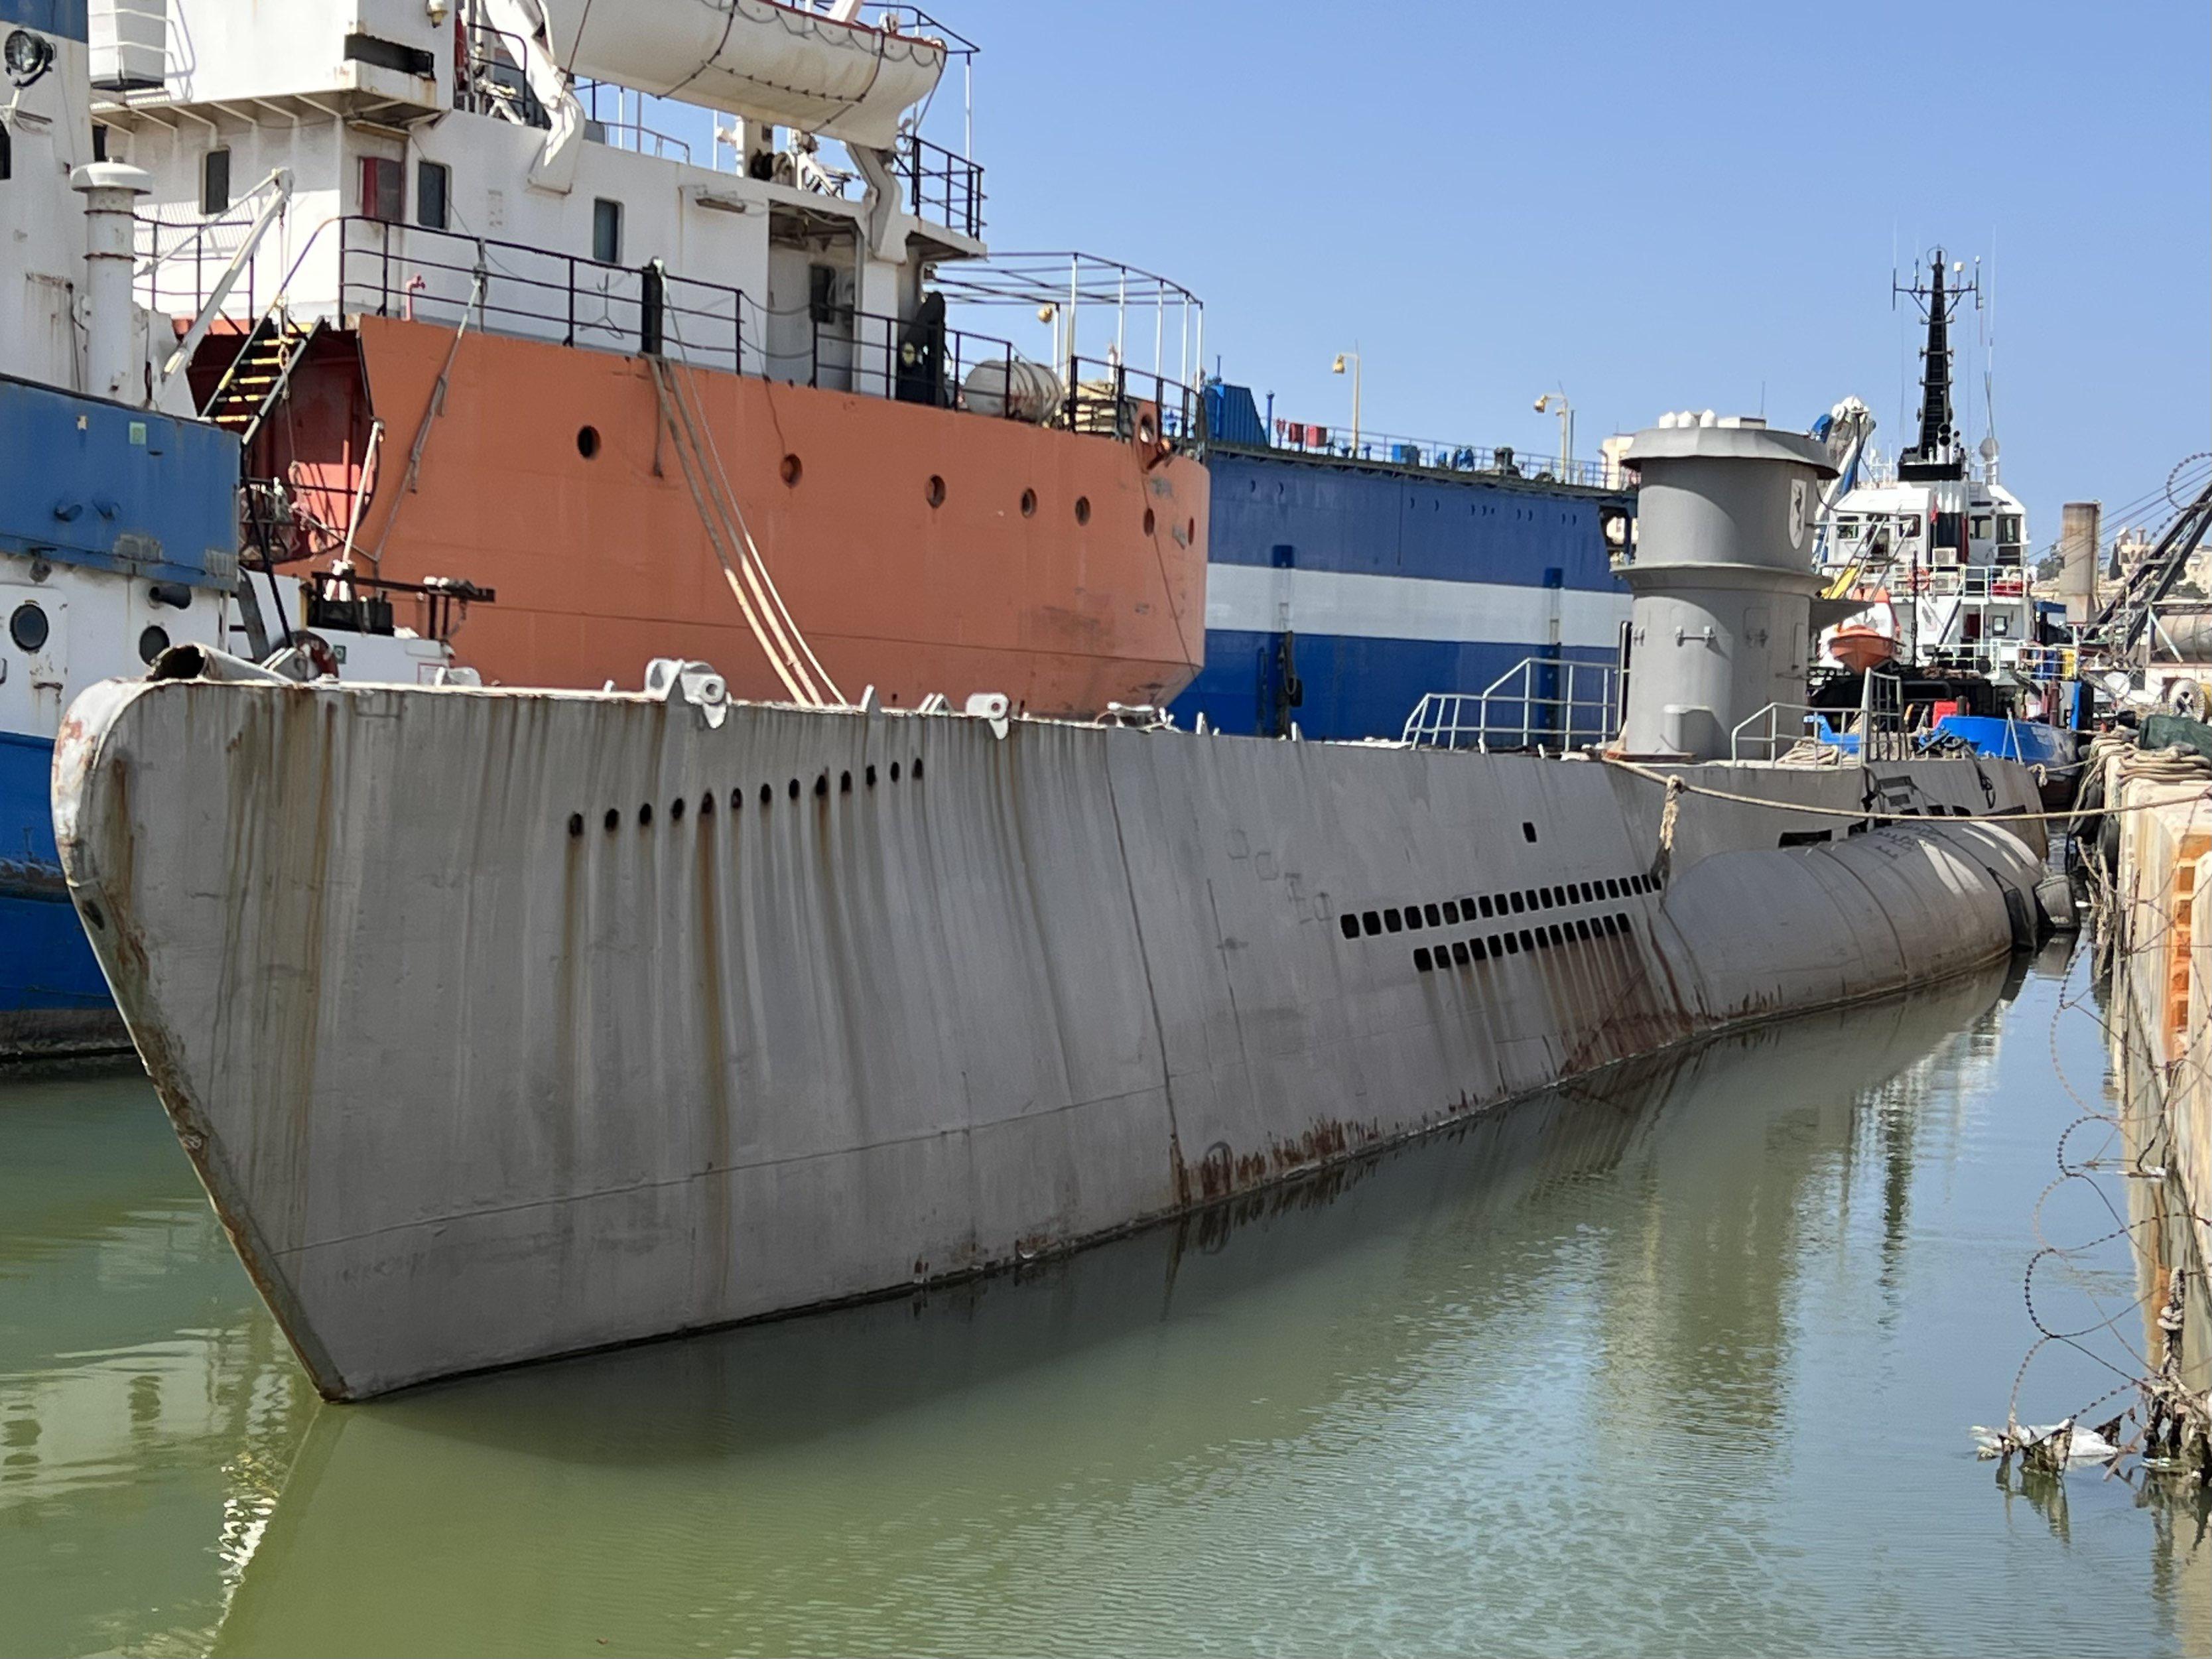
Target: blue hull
[[90, 491], [53, 1000], [1341, 594], [1354, 688]]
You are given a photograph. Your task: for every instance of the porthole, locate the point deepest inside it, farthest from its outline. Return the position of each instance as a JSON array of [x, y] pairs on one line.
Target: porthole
[[587, 442], [768, 793], [1028, 503], [822, 786], [645, 815], [795, 789], [917, 768], [613, 820], [871, 776], [676, 812], [1350, 923], [844, 783], [1151, 524], [1083, 509], [894, 771], [793, 470], [152, 643], [575, 825], [1421, 959], [28, 628], [936, 490], [1190, 533], [707, 805]]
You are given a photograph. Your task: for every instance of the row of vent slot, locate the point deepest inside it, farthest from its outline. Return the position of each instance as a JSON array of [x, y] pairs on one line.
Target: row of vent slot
[[1451, 913], [1465, 952], [613, 819]]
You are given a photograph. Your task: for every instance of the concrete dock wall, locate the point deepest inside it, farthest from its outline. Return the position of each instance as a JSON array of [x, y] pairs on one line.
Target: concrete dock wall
[[2161, 943], [505, 1024]]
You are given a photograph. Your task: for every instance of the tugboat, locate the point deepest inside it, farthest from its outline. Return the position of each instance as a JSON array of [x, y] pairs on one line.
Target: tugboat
[[1926, 568]]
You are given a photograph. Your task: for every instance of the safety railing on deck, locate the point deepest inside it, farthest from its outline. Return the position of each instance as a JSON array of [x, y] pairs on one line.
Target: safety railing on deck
[[446, 278], [1428, 453], [495, 83], [1876, 733], [913, 361], [942, 187], [440, 276], [179, 261], [1541, 702], [1106, 399]]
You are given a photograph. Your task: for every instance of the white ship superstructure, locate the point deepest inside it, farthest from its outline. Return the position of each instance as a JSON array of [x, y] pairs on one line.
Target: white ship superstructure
[[1934, 541]]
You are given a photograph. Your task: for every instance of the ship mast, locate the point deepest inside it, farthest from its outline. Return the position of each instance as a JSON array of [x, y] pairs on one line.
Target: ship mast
[[1937, 456]]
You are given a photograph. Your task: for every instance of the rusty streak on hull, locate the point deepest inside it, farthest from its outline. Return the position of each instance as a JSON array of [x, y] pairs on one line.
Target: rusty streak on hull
[[502, 1025]]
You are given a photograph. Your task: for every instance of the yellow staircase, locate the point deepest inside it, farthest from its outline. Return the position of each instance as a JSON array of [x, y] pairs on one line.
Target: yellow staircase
[[258, 377]]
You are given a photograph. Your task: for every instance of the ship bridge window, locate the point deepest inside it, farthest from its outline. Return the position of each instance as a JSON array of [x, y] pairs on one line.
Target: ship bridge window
[[215, 181], [2008, 527], [1847, 530], [1981, 527], [432, 183], [606, 231], [1908, 526], [383, 190]]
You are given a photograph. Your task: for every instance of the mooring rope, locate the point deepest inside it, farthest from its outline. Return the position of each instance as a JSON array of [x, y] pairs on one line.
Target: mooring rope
[[1671, 780]]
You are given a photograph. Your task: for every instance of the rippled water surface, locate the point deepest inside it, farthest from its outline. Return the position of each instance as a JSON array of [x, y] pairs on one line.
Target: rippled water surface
[[1679, 1362]]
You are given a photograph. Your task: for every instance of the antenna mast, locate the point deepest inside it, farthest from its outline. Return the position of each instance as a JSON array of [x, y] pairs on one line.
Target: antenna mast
[[1938, 455]]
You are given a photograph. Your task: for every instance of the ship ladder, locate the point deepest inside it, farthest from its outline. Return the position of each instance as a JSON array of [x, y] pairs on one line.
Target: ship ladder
[[259, 375], [731, 538]]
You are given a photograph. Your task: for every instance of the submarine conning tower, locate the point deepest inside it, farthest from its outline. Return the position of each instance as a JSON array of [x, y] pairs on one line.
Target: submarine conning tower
[[1722, 579]]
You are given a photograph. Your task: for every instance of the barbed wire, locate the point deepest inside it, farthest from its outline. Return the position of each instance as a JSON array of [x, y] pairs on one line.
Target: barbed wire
[[2121, 928]]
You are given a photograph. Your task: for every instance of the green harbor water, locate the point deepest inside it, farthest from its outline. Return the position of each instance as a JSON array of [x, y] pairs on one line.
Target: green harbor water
[[1681, 1361]]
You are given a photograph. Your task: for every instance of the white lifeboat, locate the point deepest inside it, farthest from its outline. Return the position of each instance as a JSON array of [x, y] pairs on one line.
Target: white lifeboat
[[783, 64]]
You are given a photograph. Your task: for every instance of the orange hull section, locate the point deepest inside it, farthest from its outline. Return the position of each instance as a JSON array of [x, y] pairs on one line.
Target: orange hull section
[[601, 562]]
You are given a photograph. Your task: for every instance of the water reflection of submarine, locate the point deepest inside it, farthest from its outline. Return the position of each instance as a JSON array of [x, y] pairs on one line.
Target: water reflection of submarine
[[1077, 1370]]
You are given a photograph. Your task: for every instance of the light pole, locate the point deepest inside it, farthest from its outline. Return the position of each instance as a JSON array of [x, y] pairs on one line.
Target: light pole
[[1566, 431], [1352, 357]]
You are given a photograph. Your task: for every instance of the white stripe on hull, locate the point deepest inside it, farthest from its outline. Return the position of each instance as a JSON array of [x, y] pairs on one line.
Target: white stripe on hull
[[1261, 599]]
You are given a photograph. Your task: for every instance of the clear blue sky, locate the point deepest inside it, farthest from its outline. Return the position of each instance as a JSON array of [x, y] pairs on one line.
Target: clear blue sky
[[1655, 206]]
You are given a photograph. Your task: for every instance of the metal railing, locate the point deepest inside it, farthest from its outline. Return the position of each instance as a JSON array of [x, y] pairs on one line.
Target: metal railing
[[1431, 455], [942, 187], [179, 261], [1104, 398], [1541, 702], [441, 277], [1877, 733], [493, 80], [911, 362]]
